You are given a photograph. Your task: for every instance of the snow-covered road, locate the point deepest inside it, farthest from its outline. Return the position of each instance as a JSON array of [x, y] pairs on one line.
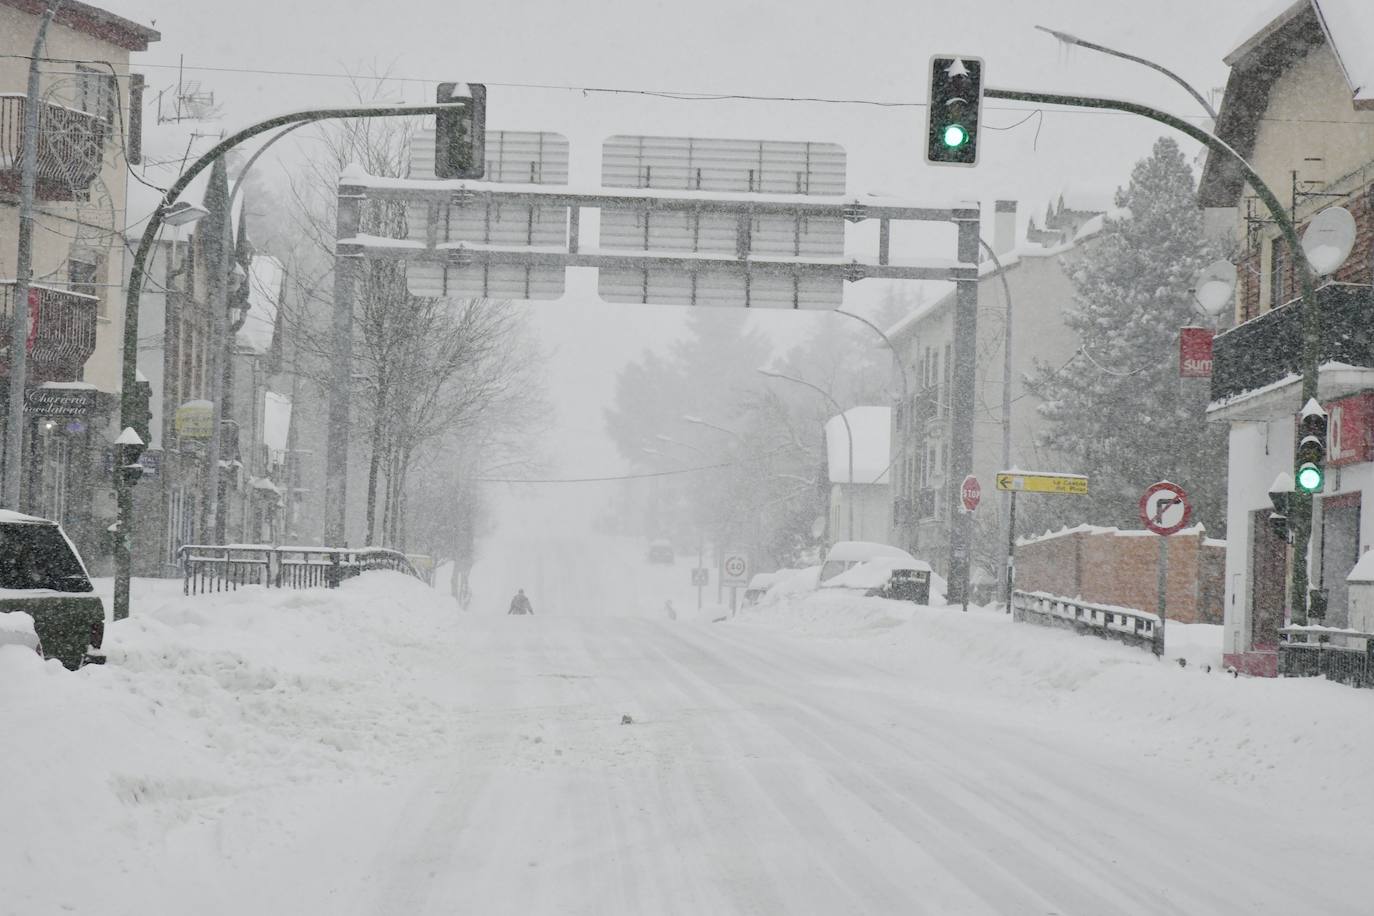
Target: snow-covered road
[[375, 751]]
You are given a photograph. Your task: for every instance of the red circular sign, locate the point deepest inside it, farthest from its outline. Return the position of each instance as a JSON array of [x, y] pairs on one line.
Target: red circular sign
[[970, 492], [1164, 508]]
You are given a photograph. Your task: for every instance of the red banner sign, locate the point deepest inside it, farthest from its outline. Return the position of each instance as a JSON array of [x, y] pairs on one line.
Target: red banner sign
[[1350, 430], [1195, 352]]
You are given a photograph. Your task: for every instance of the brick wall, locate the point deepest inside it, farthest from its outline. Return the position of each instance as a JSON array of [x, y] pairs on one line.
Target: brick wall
[[1107, 566]]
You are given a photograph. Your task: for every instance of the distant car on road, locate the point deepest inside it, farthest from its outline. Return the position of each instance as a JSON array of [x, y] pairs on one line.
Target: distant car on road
[[42, 576], [660, 552]]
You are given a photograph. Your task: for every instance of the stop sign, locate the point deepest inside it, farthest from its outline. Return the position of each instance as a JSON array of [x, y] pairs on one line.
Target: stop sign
[[970, 492]]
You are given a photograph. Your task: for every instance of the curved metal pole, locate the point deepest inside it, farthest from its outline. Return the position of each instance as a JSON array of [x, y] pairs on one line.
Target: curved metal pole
[[137, 270], [243, 172], [848, 433], [1006, 418], [1075, 40], [1311, 315]]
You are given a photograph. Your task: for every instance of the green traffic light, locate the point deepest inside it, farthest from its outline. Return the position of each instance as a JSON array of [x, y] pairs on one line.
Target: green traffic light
[[1309, 478], [955, 136]]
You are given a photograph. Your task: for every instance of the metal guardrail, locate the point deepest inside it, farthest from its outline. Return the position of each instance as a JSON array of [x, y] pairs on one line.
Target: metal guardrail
[[217, 568], [1344, 656], [1132, 627]]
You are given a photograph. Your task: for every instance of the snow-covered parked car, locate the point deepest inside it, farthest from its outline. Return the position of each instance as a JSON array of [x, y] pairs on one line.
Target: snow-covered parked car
[[758, 587], [42, 576], [890, 577], [661, 551], [846, 555]]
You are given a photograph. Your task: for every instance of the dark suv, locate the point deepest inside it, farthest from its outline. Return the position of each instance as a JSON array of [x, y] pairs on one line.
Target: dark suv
[[41, 575]]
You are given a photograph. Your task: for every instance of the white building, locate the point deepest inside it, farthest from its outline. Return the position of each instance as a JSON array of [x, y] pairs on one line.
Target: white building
[[861, 501]]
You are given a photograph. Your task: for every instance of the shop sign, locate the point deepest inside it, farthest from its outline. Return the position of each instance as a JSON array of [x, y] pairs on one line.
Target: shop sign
[[71, 403], [1195, 352], [195, 420], [1350, 430]]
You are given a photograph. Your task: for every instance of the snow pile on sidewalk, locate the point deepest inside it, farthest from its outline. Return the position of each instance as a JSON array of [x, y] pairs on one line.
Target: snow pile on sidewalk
[[206, 704], [1301, 736]]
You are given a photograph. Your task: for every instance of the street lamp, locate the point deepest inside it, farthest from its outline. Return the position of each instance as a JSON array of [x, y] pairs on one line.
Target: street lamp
[[1068, 39], [671, 441], [128, 398], [849, 434], [688, 418]]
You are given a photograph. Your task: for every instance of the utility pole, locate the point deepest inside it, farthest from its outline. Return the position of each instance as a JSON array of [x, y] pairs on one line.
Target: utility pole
[[23, 275], [963, 378]]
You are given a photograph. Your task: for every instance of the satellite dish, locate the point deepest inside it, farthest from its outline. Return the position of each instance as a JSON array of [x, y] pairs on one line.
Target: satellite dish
[[1329, 239], [1216, 287]]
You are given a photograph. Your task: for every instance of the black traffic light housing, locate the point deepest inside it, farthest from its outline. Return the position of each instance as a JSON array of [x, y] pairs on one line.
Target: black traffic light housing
[[142, 418], [1284, 500], [460, 135], [956, 107], [1309, 460]]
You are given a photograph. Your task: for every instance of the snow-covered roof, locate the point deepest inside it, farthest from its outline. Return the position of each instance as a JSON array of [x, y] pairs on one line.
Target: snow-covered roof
[[10, 517], [265, 276], [872, 428], [1349, 27]]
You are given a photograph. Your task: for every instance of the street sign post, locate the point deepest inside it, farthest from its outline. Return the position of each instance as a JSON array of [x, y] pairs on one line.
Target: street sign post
[[970, 493], [701, 577], [734, 572], [1164, 509], [1038, 482], [1015, 482]]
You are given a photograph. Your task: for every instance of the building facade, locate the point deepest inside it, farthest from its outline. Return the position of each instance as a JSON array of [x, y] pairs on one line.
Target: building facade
[[1299, 108], [860, 502], [88, 134], [926, 496]]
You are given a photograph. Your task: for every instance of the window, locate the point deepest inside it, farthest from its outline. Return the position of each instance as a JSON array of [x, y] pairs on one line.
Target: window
[[95, 93], [83, 275]]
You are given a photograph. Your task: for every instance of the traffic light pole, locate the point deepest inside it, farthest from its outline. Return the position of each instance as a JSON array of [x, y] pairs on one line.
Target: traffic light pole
[[128, 407], [1311, 317]]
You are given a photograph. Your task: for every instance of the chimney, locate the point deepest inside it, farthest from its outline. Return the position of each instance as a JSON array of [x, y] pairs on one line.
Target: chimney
[[1004, 227]]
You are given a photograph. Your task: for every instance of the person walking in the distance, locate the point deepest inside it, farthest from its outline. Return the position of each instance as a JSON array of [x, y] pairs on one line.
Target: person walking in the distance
[[520, 604]]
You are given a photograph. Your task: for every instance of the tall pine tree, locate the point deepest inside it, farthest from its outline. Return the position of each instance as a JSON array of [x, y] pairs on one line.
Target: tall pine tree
[[1119, 411]]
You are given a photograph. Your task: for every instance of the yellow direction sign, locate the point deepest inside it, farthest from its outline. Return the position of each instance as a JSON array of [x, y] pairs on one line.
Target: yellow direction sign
[[1037, 482]]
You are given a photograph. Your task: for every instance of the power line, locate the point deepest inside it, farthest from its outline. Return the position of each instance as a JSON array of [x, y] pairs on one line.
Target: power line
[[705, 467]]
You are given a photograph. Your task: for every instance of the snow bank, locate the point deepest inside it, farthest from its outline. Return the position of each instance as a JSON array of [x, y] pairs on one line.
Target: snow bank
[[207, 704], [1205, 723]]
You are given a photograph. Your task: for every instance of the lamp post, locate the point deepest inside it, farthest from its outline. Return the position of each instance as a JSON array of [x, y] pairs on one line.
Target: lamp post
[[903, 407], [1074, 40], [848, 433], [137, 273]]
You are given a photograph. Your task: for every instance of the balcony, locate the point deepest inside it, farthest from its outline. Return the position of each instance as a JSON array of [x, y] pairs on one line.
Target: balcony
[[1264, 350], [62, 328], [71, 146]]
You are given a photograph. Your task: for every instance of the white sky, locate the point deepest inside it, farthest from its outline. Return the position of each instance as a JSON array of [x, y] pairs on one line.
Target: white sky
[[864, 49]]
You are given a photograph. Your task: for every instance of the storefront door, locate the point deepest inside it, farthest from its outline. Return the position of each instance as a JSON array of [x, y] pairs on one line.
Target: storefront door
[[1340, 551], [1268, 569]]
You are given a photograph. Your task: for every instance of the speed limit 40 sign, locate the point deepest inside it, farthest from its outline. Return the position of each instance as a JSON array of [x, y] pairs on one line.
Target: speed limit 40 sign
[[734, 569]]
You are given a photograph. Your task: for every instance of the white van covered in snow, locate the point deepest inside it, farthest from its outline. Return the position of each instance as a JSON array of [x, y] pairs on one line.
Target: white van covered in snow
[[847, 554]]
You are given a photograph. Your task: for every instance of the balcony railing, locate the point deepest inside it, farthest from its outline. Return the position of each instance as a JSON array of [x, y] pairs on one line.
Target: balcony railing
[[71, 147], [1265, 349], [62, 326]]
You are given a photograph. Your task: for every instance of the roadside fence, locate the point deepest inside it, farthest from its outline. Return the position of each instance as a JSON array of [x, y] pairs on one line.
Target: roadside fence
[[1344, 656], [217, 568], [1130, 626]]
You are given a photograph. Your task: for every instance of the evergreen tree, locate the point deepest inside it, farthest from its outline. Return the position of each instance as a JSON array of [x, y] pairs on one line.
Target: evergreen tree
[[1119, 410]]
